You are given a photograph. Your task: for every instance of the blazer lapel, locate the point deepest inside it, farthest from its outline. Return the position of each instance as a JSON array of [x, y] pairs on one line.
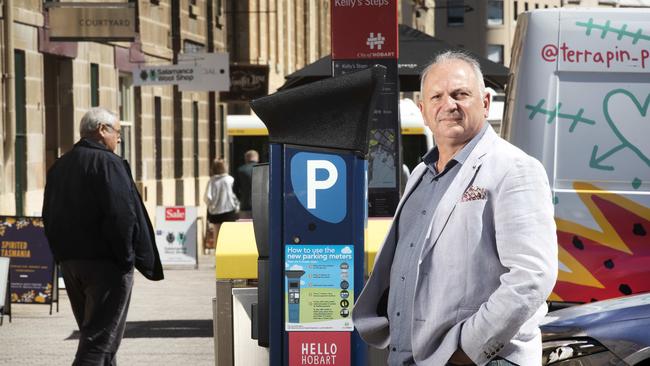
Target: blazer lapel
[[455, 191]]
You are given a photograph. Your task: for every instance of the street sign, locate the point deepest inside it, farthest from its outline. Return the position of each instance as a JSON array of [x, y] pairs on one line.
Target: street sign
[[313, 173], [247, 82], [211, 71], [194, 72], [364, 33]]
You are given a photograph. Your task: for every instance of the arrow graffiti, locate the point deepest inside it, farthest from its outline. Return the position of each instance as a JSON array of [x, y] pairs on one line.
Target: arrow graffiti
[[595, 160]]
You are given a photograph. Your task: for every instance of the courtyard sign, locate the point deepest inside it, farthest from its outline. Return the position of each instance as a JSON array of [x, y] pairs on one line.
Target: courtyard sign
[[91, 21]]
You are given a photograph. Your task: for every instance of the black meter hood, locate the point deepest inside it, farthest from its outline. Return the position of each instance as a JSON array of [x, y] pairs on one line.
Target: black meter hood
[[332, 113]]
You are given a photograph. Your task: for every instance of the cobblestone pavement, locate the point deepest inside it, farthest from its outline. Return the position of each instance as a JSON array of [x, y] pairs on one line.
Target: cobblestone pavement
[[169, 323]]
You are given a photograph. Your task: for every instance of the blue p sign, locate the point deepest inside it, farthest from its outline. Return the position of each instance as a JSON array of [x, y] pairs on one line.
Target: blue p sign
[[318, 181]]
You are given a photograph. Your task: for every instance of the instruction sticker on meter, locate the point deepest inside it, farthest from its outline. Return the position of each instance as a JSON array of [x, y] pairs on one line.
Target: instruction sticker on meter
[[319, 287]]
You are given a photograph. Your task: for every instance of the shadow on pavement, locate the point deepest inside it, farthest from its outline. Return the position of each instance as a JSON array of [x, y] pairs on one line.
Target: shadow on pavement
[[164, 329]]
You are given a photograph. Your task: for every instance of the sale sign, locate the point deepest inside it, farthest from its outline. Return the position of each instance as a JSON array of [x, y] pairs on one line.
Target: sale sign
[[175, 213], [176, 235], [364, 29]]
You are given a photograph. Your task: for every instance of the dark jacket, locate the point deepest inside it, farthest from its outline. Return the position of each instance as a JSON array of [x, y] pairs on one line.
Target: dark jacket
[[92, 210], [243, 185]]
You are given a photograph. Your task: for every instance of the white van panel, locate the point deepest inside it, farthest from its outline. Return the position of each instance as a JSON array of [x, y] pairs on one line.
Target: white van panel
[[578, 101], [536, 86], [600, 40]]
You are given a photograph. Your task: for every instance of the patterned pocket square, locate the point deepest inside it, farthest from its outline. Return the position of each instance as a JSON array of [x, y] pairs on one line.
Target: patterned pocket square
[[474, 193]]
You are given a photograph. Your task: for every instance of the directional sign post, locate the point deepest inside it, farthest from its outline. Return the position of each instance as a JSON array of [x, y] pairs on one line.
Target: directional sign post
[[194, 72], [364, 33]]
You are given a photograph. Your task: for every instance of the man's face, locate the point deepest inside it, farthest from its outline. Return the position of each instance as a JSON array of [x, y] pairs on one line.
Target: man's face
[[452, 105], [110, 135]]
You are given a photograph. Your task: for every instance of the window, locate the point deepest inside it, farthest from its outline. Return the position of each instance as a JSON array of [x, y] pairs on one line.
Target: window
[[219, 17], [536, 6], [494, 12], [157, 117], [495, 53], [193, 9], [21, 132], [126, 102], [195, 138], [192, 47], [455, 12], [94, 85], [525, 6], [515, 10]]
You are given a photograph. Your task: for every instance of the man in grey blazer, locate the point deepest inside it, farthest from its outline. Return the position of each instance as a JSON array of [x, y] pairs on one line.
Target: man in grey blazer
[[464, 272]]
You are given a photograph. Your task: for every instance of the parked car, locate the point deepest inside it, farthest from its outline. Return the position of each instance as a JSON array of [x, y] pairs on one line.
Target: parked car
[[609, 332]]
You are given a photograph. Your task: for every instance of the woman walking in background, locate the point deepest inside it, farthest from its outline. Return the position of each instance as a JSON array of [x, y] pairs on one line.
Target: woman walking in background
[[221, 201]]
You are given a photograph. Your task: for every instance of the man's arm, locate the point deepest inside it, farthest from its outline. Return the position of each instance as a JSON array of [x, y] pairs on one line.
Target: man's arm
[[527, 246], [119, 224], [236, 187]]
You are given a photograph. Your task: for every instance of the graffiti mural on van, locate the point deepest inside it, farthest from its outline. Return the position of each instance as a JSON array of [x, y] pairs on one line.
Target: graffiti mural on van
[[591, 258], [586, 119]]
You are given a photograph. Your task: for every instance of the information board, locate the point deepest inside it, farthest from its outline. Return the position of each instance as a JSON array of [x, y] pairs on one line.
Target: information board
[[32, 266], [319, 287], [364, 33]]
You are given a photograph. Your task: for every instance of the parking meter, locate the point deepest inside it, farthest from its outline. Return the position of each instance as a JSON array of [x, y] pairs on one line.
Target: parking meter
[[317, 211], [293, 294]]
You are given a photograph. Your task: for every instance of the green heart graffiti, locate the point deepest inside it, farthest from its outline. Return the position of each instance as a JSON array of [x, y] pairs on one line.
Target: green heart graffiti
[[596, 160]]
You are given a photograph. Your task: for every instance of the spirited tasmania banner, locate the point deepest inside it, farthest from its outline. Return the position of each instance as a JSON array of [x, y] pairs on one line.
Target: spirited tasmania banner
[[32, 266]]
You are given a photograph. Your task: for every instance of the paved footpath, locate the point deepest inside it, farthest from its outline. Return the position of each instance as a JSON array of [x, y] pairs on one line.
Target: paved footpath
[[169, 323]]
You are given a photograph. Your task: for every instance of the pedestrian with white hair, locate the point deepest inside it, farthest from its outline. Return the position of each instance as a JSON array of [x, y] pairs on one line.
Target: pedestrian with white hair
[[98, 230]]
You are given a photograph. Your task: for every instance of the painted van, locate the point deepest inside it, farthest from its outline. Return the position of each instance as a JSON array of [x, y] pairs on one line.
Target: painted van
[[578, 101]]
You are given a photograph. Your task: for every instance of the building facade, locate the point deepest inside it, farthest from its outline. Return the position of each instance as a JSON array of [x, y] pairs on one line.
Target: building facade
[[279, 37], [168, 136], [485, 27], [286, 35]]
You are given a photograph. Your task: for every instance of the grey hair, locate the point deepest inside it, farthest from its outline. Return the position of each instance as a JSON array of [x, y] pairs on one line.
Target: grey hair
[[95, 117], [455, 56]]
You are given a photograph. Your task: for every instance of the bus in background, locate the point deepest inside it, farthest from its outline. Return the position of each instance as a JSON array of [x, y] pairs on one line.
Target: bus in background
[[246, 132], [416, 137], [577, 100]]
